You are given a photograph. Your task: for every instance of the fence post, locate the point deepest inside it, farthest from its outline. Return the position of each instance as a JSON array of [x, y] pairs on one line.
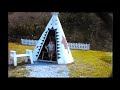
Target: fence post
[[25, 41], [28, 42], [75, 45], [86, 46], [78, 45], [83, 46], [70, 46], [89, 46]]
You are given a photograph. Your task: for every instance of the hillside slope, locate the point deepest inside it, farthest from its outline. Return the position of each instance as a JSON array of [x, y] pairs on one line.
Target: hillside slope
[[93, 28]]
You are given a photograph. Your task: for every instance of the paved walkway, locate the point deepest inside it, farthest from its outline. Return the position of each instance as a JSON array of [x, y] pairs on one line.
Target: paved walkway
[[47, 70]]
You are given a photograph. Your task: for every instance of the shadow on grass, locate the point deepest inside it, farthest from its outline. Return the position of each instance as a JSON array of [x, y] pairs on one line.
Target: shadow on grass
[[107, 59], [84, 70], [22, 64], [19, 70]]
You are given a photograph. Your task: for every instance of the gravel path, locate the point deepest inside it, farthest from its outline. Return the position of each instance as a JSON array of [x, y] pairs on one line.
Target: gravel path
[[47, 70]]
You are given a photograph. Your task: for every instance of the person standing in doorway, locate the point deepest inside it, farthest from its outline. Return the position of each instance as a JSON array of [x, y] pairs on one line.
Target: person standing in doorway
[[50, 49]]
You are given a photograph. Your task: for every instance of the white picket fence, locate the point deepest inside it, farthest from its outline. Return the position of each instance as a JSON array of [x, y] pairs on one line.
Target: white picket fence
[[28, 42], [81, 46]]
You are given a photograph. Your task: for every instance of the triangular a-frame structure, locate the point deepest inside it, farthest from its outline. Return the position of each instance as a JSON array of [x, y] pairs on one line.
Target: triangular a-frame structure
[[54, 29]]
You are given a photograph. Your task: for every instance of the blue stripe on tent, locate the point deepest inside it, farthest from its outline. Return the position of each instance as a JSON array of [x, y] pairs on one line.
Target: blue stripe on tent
[[45, 34], [57, 38], [58, 53], [38, 46], [58, 41], [46, 31], [57, 32], [58, 47], [57, 35], [59, 57], [58, 44], [52, 28]]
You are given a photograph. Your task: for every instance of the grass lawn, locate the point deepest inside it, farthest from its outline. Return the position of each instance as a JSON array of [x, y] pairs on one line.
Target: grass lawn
[[89, 63], [18, 71]]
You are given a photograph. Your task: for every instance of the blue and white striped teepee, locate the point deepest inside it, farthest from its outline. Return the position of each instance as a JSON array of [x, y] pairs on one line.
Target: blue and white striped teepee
[[63, 53]]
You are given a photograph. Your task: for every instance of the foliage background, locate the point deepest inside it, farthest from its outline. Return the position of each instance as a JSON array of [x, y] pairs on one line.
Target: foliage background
[[85, 27]]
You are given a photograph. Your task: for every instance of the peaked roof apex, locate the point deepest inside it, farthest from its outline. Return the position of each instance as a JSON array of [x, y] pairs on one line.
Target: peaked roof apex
[[54, 13]]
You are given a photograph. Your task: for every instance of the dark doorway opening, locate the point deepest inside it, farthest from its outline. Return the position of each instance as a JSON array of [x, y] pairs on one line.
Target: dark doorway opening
[[44, 54]]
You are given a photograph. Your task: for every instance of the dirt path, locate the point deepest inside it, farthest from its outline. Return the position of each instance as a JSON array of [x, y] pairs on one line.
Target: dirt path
[[47, 70]]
